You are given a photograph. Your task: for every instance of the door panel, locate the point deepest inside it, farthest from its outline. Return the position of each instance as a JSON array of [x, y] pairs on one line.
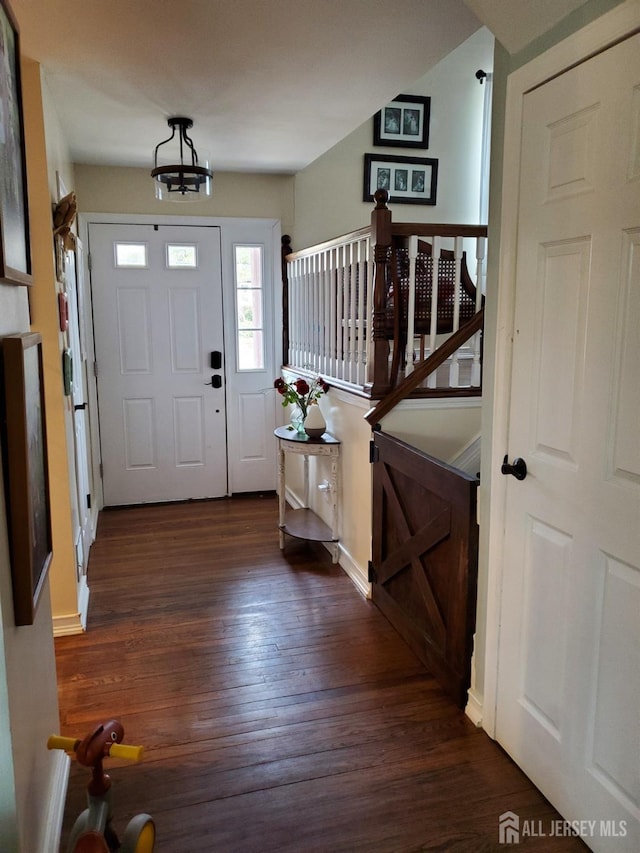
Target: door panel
[[163, 425], [569, 654]]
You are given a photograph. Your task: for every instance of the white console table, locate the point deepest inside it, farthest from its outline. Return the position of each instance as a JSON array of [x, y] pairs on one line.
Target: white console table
[[304, 523]]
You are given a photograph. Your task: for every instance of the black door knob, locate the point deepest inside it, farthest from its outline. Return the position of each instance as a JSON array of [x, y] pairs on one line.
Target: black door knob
[[517, 470]]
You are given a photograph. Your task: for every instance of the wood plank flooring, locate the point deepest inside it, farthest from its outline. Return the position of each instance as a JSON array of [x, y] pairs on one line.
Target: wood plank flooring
[[278, 708]]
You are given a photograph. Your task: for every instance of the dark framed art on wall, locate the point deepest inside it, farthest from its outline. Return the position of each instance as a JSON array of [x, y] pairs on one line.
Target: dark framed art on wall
[[408, 180], [24, 445], [15, 256], [403, 123]]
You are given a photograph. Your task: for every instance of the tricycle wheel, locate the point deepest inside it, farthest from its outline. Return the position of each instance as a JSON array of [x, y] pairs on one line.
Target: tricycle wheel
[[140, 835], [79, 827]]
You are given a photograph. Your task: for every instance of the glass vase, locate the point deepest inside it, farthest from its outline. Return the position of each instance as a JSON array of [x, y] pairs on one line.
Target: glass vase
[[297, 419]]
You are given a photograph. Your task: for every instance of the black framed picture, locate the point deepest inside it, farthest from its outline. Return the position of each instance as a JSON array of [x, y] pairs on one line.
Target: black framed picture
[[403, 123], [24, 445], [15, 255], [408, 180]]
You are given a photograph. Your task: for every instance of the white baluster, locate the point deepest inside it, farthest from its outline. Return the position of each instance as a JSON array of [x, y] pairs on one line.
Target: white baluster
[[476, 372], [411, 304], [298, 310], [454, 367], [353, 332], [333, 290], [367, 317], [326, 295], [435, 271], [339, 311], [315, 354], [359, 319]]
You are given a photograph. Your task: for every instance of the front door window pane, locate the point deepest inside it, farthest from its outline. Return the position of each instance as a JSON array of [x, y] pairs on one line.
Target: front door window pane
[[131, 255], [181, 256]]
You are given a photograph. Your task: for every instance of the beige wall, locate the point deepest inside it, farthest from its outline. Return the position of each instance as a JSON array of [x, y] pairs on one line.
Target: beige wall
[[111, 189], [28, 691], [328, 193], [53, 157]]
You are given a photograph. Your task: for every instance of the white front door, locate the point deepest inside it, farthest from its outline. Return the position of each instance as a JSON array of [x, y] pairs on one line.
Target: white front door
[[157, 303], [569, 651]]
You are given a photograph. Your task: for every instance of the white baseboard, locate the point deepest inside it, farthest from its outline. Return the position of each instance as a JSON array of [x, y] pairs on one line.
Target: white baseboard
[[356, 574], [57, 799], [65, 626], [74, 623], [473, 708], [292, 499]]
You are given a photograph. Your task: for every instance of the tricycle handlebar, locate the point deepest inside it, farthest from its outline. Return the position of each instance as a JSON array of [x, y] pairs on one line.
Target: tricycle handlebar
[[114, 750]]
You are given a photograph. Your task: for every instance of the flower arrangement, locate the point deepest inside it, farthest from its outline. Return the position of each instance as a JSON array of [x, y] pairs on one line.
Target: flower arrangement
[[300, 393]]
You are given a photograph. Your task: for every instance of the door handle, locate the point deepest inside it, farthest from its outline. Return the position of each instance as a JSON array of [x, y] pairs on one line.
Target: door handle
[[216, 381], [517, 470]]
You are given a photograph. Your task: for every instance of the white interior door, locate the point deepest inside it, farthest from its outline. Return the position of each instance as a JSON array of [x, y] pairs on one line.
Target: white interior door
[[157, 301], [84, 485], [569, 652]]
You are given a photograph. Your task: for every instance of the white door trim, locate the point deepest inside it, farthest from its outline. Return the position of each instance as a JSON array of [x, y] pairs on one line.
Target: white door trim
[[617, 24], [225, 224]]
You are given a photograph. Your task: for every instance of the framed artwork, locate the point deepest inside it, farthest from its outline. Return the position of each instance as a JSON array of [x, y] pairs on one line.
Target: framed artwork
[[25, 464], [403, 123], [15, 255], [408, 180]]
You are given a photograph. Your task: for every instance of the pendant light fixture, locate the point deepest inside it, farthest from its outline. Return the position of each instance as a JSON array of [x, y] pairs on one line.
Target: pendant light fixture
[[178, 173]]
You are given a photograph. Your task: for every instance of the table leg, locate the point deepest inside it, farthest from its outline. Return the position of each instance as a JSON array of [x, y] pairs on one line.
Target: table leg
[[335, 508], [281, 494]]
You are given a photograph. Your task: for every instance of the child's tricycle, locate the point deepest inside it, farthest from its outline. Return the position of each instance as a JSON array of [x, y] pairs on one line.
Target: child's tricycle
[[92, 832]]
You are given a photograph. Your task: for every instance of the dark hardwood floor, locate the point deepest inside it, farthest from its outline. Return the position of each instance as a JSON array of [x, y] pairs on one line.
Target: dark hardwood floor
[[278, 708]]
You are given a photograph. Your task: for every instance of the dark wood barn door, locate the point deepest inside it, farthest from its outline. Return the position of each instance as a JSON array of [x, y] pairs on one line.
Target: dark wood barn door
[[425, 557]]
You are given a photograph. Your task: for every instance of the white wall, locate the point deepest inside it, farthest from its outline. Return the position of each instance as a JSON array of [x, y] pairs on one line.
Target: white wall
[[328, 193], [440, 427]]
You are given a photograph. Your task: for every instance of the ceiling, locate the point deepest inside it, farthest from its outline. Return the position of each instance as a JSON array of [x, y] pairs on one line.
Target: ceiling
[[270, 84]]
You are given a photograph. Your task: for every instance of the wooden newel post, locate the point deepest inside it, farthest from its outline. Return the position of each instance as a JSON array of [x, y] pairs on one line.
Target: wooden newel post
[[381, 240], [285, 250]]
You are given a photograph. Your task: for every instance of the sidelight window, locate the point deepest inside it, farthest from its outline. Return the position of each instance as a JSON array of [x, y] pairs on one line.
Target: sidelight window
[[249, 307]]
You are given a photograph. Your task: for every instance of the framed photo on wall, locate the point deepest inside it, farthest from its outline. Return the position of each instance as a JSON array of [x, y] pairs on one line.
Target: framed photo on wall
[[24, 445], [403, 123], [15, 255], [408, 180]]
